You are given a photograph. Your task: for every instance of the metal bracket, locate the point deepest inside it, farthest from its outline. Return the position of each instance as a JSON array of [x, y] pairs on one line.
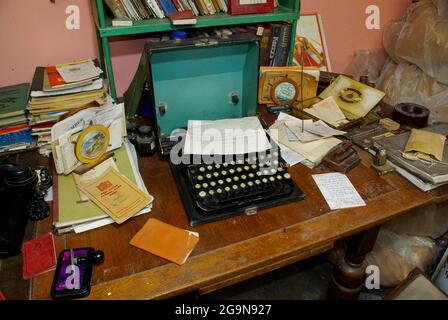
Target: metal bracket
[[251, 211]]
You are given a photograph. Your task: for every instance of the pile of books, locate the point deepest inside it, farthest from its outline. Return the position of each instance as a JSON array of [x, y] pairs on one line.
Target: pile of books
[[275, 44], [15, 134], [425, 175], [57, 90], [73, 213]]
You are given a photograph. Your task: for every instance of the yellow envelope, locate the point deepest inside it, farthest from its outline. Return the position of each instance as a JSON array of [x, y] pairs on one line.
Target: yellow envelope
[[426, 144]]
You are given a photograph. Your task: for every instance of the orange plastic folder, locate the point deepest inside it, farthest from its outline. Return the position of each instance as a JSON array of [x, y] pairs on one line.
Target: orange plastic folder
[[166, 241]]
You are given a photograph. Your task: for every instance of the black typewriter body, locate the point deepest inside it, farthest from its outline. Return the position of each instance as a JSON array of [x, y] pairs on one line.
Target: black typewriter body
[[241, 185]]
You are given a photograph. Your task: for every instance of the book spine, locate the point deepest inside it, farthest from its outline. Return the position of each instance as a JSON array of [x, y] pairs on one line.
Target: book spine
[[194, 7], [146, 13], [264, 44], [177, 5], [167, 6], [148, 7], [134, 7], [153, 4], [129, 12], [286, 45], [278, 49], [199, 6], [273, 41], [116, 8], [210, 7]]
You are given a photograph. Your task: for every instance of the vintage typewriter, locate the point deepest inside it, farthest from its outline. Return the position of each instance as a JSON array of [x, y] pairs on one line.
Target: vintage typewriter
[[210, 79], [243, 185]]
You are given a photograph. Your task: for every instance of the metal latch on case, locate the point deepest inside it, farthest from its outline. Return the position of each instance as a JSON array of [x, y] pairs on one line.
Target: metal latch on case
[[251, 211], [162, 108]]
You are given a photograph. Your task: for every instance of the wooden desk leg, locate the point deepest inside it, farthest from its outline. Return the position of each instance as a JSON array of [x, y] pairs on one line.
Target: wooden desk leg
[[349, 275]]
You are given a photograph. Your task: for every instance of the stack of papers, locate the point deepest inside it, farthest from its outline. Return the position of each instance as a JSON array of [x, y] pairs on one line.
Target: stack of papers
[[328, 111], [57, 90], [65, 132], [310, 141], [226, 137], [74, 214]]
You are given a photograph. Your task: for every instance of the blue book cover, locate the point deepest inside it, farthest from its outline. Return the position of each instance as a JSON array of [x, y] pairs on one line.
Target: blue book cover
[[13, 139], [167, 6]]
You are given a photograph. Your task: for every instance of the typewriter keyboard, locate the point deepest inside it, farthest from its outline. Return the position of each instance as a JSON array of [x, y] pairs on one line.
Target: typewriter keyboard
[[223, 189]]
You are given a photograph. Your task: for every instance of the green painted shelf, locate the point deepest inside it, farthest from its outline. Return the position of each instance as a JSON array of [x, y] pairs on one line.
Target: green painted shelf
[[219, 19], [288, 10]]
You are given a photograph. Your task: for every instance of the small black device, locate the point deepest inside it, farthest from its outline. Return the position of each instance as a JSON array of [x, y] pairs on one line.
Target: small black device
[[243, 185], [74, 272], [22, 192]]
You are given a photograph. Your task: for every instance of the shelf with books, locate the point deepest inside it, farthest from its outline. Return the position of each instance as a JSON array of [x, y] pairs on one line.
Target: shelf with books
[[287, 10], [215, 20]]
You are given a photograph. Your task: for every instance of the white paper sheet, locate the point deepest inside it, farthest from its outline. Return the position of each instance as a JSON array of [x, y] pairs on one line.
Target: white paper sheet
[[226, 137], [78, 71], [338, 191], [291, 157]]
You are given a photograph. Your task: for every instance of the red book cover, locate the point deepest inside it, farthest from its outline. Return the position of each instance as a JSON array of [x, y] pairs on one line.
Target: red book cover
[[182, 17], [54, 77], [14, 129], [176, 4], [2, 297], [39, 256], [239, 7]]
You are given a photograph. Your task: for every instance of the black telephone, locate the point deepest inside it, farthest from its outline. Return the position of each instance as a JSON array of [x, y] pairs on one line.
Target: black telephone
[[22, 192]]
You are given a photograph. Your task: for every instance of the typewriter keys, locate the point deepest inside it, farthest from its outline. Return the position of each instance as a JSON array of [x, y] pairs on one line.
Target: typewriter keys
[[219, 189]]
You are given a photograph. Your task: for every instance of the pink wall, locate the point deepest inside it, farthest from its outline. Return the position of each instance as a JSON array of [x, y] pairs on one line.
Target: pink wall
[[32, 32]]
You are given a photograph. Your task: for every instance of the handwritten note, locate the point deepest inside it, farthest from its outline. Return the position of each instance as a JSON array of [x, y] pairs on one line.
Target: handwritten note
[[338, 191]]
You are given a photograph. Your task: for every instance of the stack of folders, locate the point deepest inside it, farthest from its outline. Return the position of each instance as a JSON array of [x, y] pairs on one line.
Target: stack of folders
[[15, 134], [425, 175], [74, 212], [57, 90]]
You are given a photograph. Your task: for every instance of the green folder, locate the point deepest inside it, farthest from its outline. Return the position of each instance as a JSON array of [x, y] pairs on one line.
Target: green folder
[[70, 211], [13, 100]]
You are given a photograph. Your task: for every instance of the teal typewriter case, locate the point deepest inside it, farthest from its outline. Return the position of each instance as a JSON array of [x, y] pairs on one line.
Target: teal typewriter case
[[203, 79]]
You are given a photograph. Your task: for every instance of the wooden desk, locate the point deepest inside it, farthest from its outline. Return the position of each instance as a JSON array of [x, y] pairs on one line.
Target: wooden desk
[[236, 249]]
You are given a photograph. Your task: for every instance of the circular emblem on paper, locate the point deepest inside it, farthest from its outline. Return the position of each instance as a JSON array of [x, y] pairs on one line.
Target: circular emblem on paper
[[284, 92], [92, 143]]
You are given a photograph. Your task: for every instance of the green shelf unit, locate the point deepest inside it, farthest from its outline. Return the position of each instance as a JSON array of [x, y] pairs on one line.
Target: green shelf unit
[[288, 10]]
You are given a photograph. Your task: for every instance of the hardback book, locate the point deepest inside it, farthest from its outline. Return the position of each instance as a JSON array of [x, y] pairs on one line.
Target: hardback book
[[273, 41], [155, 8], [283, 46], [122, 22], [264, 43], [182, 18], [39, 256], [199, 6], [167, 6], [194, 7], [116, 7], [434, 173], [177, 5], [53, 81], [13, 100]]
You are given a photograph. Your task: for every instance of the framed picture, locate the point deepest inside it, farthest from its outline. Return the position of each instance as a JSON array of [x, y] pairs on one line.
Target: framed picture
[[440, 276], [270, 76], [310, 46], [240, 7]]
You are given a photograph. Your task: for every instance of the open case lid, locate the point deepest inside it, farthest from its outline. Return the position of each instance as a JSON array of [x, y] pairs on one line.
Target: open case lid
[[203, 79]]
